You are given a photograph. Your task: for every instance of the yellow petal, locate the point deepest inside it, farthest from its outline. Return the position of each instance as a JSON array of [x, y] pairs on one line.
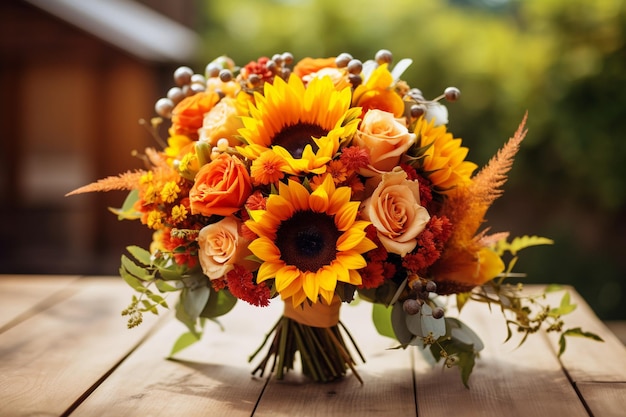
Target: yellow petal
[[286, 276], [349, 239], [311, 285], [265, 249], [268, 270]]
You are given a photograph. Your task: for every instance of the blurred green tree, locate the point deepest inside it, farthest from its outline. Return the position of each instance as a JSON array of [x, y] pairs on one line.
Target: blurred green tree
[[563, 61]]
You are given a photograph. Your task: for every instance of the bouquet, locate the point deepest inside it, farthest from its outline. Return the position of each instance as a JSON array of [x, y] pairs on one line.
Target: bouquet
[[318, 182]]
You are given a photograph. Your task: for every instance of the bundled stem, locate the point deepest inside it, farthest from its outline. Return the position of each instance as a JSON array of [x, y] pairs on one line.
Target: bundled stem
[[323, 352]]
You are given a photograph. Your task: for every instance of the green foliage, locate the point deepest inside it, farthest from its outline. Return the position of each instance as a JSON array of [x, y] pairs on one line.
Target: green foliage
[[197, 301], [127, 211]]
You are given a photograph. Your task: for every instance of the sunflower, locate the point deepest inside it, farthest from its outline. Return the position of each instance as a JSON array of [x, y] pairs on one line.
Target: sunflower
[[309, 241], [303, 125], [443, 161]]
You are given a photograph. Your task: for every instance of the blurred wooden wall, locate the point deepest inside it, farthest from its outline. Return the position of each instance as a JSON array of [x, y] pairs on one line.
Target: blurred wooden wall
[[70, 105]]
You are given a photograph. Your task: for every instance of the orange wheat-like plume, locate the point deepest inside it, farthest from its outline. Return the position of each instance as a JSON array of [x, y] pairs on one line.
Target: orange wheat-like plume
[[464, 262], [467, 207], [126, 181]]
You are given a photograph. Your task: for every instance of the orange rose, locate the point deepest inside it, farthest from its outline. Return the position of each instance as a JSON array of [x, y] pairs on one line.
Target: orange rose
[[221, 187], [188, 115]]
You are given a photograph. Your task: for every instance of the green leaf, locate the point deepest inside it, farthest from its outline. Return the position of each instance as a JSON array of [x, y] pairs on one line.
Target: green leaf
[[157, 299], [577, 332], [524, 242], [127, 211], [381, 316], [218, 304], [194, 300], [184, 341], [462, 299], [164, 286], [134, 269], [398, 323], [553, 288], [132, 280], [564, 308], [140, 254]]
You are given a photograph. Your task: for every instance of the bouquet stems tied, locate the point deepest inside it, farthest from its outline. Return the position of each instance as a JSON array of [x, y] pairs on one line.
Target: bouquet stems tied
[[323, 351]]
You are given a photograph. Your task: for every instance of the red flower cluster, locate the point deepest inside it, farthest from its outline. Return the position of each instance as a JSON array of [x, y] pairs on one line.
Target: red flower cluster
[[241, 284], [430, 244]]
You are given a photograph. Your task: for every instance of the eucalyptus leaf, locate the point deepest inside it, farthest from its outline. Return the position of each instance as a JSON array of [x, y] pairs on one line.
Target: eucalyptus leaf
[[430, 324], [381, 316], [463, 333], [218, 304], [398, 323], [414, 323], [194, 300]]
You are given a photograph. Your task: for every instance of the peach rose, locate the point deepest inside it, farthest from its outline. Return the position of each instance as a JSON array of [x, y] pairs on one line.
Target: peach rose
[[222, 121], [221, 187], [395, 211], [385, 137], [221, 247]]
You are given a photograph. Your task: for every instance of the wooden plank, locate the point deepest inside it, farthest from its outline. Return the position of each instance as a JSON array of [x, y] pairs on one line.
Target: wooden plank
[[587, 360], [507, 381], [618, 327], [212, 377], [387, 376], [604, 399], [23, 295], [50, 360]]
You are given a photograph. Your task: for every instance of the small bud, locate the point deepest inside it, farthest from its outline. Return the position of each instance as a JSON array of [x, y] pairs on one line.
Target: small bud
[[355, 66], [182, 75], [226, 75], [342, 60], [452, 94], [411, 306], [383, 56], [431, 286], [438, 312], [164, 107]]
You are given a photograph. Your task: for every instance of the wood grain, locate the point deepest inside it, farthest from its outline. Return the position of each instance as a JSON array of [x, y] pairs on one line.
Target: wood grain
[[604, 399], [212, 377], [25, 295], [507, 381], [52, 359]]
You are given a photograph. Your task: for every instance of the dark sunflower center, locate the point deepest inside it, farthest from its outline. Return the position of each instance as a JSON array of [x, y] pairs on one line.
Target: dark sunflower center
[[308, 240], [295, 137]]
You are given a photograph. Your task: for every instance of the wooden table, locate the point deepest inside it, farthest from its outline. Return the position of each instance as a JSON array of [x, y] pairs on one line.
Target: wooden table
[[65, 351]]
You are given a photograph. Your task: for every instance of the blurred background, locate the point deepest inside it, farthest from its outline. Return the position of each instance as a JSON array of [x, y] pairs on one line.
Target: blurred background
[[77, 75]]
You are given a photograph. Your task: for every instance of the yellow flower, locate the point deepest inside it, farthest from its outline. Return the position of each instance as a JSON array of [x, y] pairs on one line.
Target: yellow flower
[[179, 213], [169, 192], [309, 241], [155, 219], [303, 125], [444, 161]]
